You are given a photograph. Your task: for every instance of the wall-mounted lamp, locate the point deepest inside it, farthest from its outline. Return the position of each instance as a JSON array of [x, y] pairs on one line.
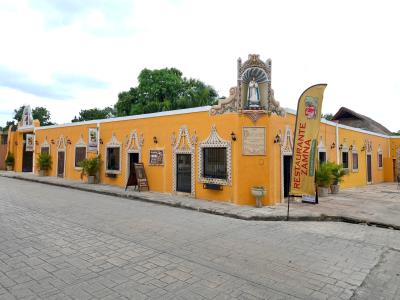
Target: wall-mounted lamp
[[52, 141], [233, 136], [341, 147], [351, 147], [333, 145], [16, 143], [363, 148], [36, 142], [277, 139], [101, 141], [155, 140], [69, 141]]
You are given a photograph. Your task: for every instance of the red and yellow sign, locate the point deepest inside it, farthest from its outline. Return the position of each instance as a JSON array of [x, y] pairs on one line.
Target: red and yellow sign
[[305, 141]]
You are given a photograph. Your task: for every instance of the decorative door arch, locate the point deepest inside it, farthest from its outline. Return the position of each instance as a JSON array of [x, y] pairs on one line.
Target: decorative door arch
[[183, 145]]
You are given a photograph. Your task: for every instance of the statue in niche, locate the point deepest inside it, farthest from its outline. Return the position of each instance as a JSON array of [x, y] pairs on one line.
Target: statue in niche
[[253, 94]]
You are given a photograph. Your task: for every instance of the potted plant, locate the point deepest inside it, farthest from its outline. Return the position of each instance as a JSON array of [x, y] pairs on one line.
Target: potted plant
[[337, 173], [90, 167], [9, 161], [44, 163], [258, 192], [323, 178]]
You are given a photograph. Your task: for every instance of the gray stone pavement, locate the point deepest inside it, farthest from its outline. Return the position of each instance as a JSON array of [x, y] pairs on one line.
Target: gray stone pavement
[[377, 204], [61, 243]]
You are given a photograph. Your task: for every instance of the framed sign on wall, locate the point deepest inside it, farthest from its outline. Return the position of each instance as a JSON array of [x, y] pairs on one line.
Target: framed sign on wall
[[253, 141], [156, 157]]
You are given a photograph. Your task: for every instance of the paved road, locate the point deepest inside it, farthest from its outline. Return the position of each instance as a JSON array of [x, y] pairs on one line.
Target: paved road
[[58, 243]]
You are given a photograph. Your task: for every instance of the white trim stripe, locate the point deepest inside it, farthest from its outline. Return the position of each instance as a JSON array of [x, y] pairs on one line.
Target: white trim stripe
[[135, 117], [293, 112]]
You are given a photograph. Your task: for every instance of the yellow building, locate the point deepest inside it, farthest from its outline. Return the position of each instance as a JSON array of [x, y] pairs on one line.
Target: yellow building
[[215, 153]]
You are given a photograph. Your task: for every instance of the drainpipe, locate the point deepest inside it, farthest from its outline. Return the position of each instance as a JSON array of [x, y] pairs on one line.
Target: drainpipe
[[337, 143]]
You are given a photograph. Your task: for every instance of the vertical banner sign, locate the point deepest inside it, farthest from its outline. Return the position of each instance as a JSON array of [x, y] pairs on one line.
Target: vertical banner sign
[[305, 141], [93, 139], [29, 143]]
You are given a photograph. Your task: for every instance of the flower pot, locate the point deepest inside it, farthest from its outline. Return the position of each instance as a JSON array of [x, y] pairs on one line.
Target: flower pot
[[258, 193], [334, 188], [322, 191], [42, 173], [9, 168], [91, 179]]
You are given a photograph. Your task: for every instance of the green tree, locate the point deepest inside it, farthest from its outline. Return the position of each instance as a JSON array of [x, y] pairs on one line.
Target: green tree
[[94, 114], [327, 116], [162, 90], [40, 113]]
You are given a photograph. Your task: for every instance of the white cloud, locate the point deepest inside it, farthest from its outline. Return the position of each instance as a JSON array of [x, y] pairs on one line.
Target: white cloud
[[351, 45]]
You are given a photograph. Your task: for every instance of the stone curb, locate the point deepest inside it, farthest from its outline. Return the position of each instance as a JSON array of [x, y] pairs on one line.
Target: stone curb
[[320, 218]]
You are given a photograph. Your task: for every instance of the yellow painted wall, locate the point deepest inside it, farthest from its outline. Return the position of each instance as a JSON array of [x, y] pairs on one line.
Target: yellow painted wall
[[247, 171]]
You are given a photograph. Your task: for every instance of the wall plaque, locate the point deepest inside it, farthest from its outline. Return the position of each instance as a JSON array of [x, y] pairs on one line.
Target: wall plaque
[[253, 141], [156, 157]]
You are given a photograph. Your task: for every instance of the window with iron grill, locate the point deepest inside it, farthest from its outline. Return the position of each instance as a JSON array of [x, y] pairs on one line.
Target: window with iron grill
[[215, 163], [80, 154], [45, 150], [355, 161], [113, 154], [345, 160], [380, 160], [322, 157]]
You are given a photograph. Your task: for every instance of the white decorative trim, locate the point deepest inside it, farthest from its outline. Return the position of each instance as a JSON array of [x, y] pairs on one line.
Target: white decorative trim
[[135, 117], [61, 143], [354, 150], [134, 143], [345, 149], [287, 146], [80, 144], [380, 153], [184, 144], [215, 141], [45, 144], [286, 150], [113, 143], [322, 149]]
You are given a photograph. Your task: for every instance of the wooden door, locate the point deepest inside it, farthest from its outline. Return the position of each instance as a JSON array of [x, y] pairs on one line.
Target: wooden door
[[184, 173], [369, 168], [60, 163]]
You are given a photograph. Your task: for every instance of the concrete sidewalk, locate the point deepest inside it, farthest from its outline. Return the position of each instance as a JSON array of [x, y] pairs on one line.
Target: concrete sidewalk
[[377, 204]]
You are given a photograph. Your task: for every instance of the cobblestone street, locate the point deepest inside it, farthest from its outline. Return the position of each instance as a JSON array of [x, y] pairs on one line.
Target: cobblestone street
[[59, 243]]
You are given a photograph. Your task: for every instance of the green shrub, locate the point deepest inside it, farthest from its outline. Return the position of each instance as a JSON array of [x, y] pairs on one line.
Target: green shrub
[[44, 161], [90, 166], [323, 175], [10, 159], [337, 172]]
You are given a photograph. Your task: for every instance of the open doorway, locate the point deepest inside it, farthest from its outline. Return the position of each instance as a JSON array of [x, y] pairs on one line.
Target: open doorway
[[133, 158], [287, 168]]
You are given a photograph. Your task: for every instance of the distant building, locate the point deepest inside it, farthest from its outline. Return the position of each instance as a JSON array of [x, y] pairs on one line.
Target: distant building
[[351, 118]]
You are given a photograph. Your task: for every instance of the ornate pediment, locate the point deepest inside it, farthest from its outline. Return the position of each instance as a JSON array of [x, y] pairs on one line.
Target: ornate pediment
[[113, 142], [287, 146], [253, 95], [61, 143], [134, 141]]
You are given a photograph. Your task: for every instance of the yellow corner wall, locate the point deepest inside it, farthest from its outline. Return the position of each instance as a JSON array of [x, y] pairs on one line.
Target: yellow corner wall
[[247, 171]]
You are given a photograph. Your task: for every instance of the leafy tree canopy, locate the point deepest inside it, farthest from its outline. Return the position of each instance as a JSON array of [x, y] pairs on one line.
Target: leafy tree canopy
[[327, 116], [94, 114], [162, 90], [40, 113]]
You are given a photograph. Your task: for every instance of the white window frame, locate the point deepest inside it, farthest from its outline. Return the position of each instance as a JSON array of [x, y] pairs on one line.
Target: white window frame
[[355, 151], [380, 153], [80, 144], [113, 143], [215, 141], [345, 149]]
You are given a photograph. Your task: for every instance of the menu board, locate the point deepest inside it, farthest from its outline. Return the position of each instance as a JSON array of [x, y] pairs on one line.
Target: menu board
[[156, 157], [141, 177], [253, 141]]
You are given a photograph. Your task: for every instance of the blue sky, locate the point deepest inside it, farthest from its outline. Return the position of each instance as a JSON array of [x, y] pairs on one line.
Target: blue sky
[[68, 55]]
